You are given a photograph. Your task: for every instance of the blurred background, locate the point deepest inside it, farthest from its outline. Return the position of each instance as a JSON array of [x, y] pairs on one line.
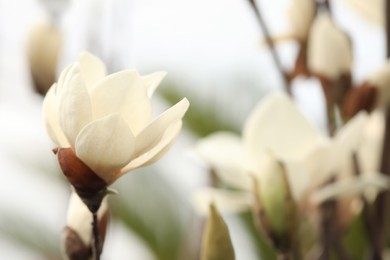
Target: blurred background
[[215, 56]]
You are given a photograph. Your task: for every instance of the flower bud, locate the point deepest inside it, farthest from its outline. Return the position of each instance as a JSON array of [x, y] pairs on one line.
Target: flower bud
[[301, 14], [274, 206], [216, 243], [90, 187], [380, 79], [329, 49], [43, 49], [77, 235]]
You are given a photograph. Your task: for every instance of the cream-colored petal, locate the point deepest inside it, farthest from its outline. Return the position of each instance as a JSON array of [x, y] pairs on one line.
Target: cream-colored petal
[[350, 186], [50, 108], [152, 81], [329, 48], [301, 14], [92, 68], [226, 201], [371, 10], [124, 93], [74, 108], [61, 80], [106, 145], [152, 134], [224, 154], [347, 142], [370, 151], [276, 124], [155, 153]]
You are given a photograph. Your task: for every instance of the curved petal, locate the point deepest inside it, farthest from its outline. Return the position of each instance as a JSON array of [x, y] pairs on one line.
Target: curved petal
[[153, 133], [226, 201], [350, 186], [61, 80], [224, 153], [124, 93], [74, 108], [152, 81], [106, 145], [50, 114], [92, 68], [155, 153], [276, 124]]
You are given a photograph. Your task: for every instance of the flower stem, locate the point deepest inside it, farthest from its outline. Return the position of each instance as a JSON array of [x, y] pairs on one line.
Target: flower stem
[[271, 46], [96, 239]]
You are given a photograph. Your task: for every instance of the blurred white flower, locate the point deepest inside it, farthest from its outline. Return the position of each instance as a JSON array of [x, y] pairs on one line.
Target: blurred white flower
[[329, 49], [276, 125], [107, 120], [381, 80], [301, 14]]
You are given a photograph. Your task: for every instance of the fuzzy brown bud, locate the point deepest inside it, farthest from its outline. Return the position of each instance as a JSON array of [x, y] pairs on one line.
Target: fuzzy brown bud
[[359, 98], [89, 186]]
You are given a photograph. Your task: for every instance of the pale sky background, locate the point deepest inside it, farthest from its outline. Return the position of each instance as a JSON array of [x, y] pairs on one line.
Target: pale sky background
[[212, 48]]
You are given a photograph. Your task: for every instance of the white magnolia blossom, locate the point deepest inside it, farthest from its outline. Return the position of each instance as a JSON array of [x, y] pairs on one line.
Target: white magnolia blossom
[[381, 80], [301, 14], [372, 10], [107, 119], [276, 125], [79, 217], [329, 48]]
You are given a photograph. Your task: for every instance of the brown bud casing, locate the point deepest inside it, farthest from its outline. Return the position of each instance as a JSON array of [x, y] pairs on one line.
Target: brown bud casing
[[89, 186], [360, 98]]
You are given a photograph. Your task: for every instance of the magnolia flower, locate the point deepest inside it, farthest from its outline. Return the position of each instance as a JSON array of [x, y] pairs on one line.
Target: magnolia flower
[[329, 49], [380, 79], [106, 120], [77, 237], [301, 14], [277, 126]]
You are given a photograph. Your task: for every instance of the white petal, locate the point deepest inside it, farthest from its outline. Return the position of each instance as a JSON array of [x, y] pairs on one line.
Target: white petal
[[74, 108], [223, 152], [371, 10], [124, 93], [370, 151], [226, 201], [50, 114], [61, 80], [351, 186], [156, 153], [347, 142], [276, 124], [92, 68], [152, 81], [329, 48], [152, 134], [106, 145]]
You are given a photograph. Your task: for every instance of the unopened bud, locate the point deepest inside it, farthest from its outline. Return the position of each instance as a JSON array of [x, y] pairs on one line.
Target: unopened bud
[[274, 207], [43, 46], [88, 185], [216, 243], [301, 14], [381, 80], [329, 49], [77, 235]]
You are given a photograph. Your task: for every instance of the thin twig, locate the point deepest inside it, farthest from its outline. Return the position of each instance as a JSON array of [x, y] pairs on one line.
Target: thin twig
[[271, 46], [96, 242]]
